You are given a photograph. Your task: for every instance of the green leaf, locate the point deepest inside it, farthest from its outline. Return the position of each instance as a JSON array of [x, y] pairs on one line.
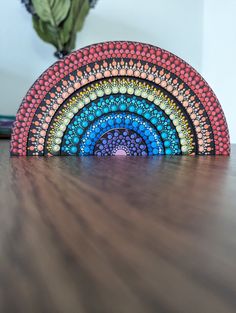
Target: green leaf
[[52, 11], [71, 44], [68, 23], [84, 9], [74, 21], [64, 36], [45, 31], [58, 21]]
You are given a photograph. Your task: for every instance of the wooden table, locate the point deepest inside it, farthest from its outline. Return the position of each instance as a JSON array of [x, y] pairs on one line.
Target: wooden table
[[117, 235]]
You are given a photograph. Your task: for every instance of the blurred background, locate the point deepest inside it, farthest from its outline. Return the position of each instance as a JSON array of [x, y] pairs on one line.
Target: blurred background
[[202, 32]]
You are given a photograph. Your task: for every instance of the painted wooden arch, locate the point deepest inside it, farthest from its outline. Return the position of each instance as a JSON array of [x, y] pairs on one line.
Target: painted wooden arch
[[120, 98]]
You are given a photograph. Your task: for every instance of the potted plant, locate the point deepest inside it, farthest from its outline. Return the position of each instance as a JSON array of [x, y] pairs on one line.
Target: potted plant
[[58, 21]]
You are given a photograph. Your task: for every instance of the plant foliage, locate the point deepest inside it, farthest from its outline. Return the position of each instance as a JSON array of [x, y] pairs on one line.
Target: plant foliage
[[58, 21]]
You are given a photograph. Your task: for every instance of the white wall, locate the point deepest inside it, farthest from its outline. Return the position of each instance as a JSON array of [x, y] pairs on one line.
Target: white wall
[[188, 28], [219, 55]]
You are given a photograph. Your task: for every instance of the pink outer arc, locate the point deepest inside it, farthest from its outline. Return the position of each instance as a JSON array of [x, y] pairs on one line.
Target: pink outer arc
[[119, 49]]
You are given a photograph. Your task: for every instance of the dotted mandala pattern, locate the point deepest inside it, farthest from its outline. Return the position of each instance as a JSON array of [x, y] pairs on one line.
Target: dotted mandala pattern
[[120, 98]]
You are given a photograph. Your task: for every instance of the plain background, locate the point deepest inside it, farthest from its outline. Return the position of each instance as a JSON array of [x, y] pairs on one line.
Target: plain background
[[202, 32]]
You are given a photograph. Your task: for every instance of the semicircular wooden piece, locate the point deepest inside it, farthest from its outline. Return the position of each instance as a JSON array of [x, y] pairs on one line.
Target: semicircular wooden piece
[[120, 98]]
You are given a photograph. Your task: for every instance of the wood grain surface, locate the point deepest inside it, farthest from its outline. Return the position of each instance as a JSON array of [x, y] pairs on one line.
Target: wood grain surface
[[118, 234]]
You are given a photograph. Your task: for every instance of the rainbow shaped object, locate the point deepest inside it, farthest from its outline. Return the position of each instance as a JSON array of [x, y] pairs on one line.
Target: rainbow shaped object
[[120, 98]]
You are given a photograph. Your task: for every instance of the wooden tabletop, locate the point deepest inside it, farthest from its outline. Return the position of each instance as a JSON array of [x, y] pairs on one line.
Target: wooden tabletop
[[118, 234]]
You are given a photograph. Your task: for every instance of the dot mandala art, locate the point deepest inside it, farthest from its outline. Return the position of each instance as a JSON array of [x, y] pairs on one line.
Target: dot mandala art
[[120, 98]]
